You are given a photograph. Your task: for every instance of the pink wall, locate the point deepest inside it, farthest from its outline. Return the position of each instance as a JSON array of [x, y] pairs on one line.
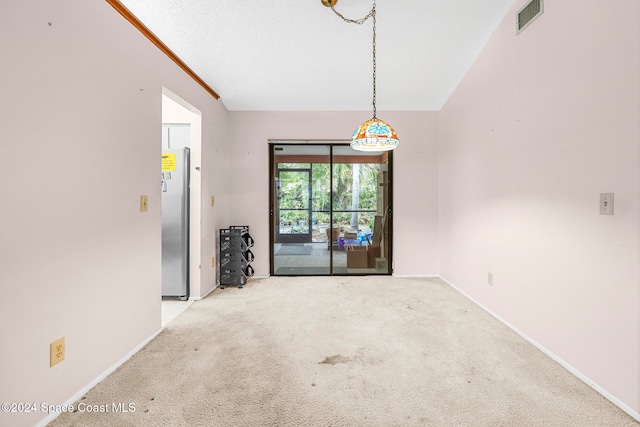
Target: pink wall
[[214, 182], [505, 179], [415, 176], [541, 124], [80, 114]]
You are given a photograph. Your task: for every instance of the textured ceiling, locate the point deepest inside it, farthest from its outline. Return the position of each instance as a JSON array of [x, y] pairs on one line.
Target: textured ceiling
[[297, 55]]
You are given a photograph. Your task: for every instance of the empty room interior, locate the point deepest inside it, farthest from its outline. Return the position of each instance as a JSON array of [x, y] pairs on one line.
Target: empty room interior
[[515, 184]]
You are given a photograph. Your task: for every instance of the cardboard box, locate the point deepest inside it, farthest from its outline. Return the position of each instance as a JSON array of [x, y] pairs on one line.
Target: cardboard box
[[373, 252], [357, 257], [334, 232]]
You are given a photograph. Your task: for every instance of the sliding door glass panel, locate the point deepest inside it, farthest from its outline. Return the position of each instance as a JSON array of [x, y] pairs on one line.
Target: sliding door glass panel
[[360, 212], [301, 210]]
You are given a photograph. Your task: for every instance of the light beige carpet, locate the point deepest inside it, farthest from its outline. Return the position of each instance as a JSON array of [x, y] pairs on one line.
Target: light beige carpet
[[361, 351]]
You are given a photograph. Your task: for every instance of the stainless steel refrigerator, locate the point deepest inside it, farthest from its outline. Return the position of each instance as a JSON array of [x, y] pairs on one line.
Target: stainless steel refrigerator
[[175, 222]]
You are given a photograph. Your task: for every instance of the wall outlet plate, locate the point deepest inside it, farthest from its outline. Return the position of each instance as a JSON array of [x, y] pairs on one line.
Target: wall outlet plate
[[144, 203], [490, 279], [606, 203], [56, 352], [212, 200]]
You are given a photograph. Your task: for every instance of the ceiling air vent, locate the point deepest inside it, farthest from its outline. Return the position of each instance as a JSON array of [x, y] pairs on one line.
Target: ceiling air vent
[[529, 13]]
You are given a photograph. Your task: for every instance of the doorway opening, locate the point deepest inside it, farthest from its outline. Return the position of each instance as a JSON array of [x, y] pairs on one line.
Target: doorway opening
[[180, 196], [330, 210]]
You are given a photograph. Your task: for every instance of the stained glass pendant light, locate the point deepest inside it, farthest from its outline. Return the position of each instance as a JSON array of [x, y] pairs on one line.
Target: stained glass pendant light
[[374, 134]]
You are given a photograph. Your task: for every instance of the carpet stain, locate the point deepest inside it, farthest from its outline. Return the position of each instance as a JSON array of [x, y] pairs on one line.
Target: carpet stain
[[333, 360]]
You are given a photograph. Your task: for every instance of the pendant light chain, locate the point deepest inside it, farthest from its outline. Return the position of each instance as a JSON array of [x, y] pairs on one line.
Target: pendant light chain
[[374, 59], [374, 134], [371, 14], [356, 21]]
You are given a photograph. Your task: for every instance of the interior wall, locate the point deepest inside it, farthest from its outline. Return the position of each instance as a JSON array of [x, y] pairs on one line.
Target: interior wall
[[543, 123], [214, 182], [415, 186], [81, 121]]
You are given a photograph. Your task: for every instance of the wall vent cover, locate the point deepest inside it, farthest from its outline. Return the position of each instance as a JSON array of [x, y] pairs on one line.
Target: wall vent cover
[[528, 14]]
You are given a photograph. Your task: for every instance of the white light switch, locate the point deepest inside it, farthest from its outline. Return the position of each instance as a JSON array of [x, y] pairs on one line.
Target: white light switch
[[606, 203]]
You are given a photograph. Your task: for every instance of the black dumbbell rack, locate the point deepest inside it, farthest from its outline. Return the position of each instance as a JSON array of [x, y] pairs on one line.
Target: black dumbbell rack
[[235, 256]]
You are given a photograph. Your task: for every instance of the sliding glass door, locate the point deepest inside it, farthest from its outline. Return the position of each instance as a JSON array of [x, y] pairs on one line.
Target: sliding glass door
[[330, 210]]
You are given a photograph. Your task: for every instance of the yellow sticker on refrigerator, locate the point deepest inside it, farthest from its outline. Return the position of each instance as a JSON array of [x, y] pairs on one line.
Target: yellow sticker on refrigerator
[[168, 162]]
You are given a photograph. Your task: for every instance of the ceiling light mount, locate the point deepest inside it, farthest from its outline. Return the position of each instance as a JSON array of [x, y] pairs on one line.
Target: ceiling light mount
[[374, 134]]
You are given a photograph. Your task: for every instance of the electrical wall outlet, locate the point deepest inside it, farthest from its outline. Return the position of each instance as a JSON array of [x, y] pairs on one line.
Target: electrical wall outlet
[[606, 203], [490, 279], [212, 200], [144, 203], [213, 261], [56, 352]]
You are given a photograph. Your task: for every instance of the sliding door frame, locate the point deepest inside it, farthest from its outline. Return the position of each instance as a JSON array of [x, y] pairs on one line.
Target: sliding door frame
[[273, 208]]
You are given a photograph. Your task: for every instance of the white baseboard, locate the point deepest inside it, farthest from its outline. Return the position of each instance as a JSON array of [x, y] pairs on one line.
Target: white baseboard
[[101, 377], [423, 276], [203, 296], [218, 285], [619, 403]]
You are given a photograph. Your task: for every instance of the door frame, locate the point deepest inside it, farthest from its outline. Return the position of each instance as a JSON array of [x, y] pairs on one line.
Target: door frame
[[273, 144]]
